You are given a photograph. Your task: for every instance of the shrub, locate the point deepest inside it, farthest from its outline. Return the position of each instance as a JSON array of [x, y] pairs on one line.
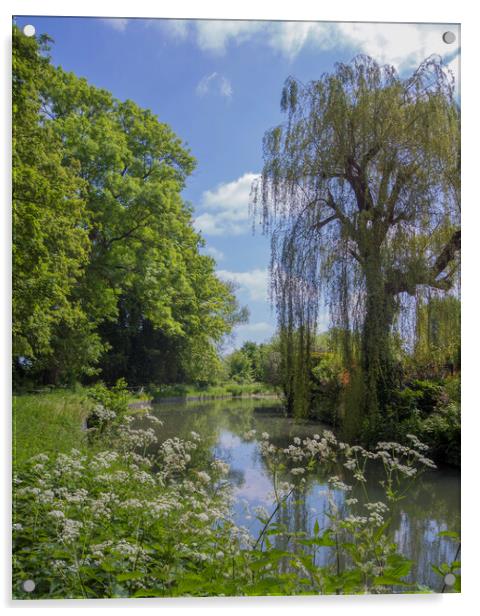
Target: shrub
[[429, 395], [110, 407], [441, 431]]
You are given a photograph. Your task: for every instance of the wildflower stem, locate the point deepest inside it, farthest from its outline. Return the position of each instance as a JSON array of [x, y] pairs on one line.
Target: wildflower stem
[[264, 529]]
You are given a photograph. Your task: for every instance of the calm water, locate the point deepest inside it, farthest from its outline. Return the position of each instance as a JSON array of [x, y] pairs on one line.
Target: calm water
[[431, 506]]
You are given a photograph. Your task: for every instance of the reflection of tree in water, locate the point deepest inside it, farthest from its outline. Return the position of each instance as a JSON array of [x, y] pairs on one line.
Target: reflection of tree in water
[[418, 540], [430, 508], [297, 518], [236, 477], [415, 524], [293, 517], [431, 505], [180, 419]]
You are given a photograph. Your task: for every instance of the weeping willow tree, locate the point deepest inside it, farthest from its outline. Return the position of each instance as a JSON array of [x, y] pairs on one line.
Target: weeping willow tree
[[360, 194]]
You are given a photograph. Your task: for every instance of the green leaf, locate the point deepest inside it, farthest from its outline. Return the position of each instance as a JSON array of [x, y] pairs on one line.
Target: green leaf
[[325, 540], [132, 575], [390, 580], [152, 592], [449, 533]]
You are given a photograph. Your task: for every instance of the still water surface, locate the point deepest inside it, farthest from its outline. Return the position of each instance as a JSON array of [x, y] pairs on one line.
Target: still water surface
[[432, 505]]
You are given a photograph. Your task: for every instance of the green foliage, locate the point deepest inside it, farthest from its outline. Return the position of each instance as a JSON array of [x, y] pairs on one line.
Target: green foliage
[[442, 431], [224, 389], [110, 407], [426, 409], [420, 395], [437, 336], [106, 260], [452, 386], [260, 363], [360, 194], [107, 525], [50, 239], [429, 395], [326, 386], [452, 569], [240, 367]]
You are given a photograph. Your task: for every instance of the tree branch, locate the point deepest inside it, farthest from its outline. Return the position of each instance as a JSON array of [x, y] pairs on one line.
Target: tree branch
[[323, 223], [448, 253], [127, 234], [355, 176], [407, 282]]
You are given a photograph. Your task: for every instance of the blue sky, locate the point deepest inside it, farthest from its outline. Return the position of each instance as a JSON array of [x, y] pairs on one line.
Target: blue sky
[[218, 85]]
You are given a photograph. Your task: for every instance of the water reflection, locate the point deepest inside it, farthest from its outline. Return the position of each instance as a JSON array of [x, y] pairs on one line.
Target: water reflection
[[432, 505]]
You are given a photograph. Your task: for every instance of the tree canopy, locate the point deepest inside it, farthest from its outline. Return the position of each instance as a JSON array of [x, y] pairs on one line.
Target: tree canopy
[[50, 239]]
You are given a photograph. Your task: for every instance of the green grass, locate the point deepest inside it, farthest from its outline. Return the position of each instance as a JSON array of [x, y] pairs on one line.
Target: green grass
[[48, 422]]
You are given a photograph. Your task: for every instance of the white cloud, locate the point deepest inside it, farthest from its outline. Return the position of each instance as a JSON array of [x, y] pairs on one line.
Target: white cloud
[[289, 37], [177, 27], [231, 195], [401, 44], [227, 211], [216, 34], [216, 83], [254, 282], [214, 252], [204, 84], [117, 23], [256, 332], [226, 87]]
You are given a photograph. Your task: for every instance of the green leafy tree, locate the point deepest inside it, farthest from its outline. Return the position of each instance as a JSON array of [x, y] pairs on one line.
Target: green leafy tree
[[50, 240], [271, 361], [240, 367], [105, 252], [360, 193], [145, 252]]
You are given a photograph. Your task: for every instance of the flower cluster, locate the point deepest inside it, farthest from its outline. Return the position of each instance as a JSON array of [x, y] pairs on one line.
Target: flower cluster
[[68, 506]]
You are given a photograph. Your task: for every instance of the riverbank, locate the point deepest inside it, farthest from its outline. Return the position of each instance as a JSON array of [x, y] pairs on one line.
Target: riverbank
[[54, 421], [187, 393], [48, 422]]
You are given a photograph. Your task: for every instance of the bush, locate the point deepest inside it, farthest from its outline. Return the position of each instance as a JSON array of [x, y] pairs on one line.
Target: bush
[[111, 405], [108, 524], [429, 395], [423, 396], [441, 431]]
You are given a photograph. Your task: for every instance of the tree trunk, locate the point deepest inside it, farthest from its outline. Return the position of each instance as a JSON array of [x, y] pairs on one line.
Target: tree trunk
[[376, 347]]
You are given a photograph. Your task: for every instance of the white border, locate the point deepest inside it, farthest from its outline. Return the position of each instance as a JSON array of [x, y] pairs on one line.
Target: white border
[[458, 11]]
